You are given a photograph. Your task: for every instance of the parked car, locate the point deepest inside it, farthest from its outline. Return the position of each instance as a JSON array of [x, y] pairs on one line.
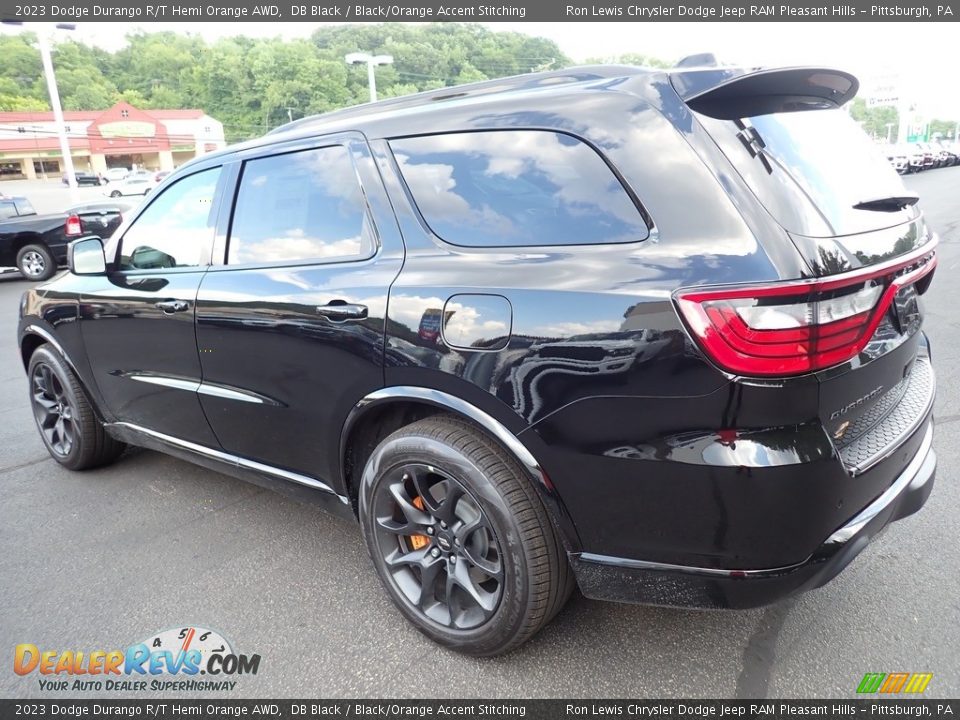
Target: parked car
[[37, 244], [915, 156], [83, 178], [943, 153], [588, 384], [116, 174], [898, 158], [929, 156], [131, 185]]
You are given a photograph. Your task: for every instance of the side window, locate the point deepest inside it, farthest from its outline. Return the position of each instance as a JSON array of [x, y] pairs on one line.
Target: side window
[[175, 229], [516, 188], [24, 207], [300, 207], [7, 210]]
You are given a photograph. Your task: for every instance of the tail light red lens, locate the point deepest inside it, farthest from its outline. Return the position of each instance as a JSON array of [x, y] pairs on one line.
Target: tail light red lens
[[74, 226], [796, 327]]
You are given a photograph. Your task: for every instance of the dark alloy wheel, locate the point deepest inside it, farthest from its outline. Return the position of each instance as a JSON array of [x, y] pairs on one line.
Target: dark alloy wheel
[[460, 538], [438, 545], [115, 194], [53, 410], [68, 425]]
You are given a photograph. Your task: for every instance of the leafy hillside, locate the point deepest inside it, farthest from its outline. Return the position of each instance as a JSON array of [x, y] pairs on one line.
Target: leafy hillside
[[252, 85]]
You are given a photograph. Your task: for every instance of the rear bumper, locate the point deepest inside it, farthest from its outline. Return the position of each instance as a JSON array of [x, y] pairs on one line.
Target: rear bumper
[[625, 580]]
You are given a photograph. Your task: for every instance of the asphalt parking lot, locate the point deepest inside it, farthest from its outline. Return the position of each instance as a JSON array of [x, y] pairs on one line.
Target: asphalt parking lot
[[51, 196], [104, 559]]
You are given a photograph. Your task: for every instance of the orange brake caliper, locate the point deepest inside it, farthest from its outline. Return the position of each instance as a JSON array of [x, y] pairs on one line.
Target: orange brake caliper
[[418, 541]]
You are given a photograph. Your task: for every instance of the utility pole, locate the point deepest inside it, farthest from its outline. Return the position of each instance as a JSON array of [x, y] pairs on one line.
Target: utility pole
[[371, 61], [44, 42], [57, 109]]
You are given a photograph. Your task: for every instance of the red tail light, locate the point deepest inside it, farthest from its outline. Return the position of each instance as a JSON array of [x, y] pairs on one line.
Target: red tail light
[[73, 226], [796, 327]]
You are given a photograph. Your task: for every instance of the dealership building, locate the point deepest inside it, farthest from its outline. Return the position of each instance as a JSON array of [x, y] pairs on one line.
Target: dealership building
[[122, 136]]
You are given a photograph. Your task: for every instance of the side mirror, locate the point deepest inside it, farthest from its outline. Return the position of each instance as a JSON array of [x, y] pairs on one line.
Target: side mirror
[[85, 256]]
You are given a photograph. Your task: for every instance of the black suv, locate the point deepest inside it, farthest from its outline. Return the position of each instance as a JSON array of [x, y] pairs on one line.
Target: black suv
[[654, 334]]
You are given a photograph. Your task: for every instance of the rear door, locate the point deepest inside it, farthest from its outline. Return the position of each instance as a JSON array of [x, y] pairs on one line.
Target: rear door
[[290, 324]]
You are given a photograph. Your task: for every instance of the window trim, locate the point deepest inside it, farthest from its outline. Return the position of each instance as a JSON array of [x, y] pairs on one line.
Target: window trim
[[221, 260], [205, 259], [644, 216]]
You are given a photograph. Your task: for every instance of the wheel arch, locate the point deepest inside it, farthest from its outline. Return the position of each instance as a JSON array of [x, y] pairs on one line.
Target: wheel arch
[[28, 345], [384, 411], [33, 336]]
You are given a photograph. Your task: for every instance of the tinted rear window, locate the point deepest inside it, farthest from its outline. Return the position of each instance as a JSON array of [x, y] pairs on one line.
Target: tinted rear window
[[517, 188], [24, 207], [304, 206], [819, 164]]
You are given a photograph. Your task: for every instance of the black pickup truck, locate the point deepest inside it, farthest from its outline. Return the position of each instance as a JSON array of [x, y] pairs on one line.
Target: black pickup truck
[[37, 244]]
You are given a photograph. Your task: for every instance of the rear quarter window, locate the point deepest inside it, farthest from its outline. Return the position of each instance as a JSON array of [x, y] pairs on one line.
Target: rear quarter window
[[517, 188]]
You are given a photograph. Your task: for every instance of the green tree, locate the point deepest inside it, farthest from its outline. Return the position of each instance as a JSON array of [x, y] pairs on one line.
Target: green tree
[[252, 85], [874, 120]]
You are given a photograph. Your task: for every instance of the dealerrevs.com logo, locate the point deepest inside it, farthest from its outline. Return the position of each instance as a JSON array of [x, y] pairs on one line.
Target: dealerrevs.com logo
[[172, 660]]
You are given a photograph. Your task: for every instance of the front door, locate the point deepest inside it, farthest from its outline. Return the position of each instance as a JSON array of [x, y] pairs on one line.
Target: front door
[[290, 327], [139, 325]]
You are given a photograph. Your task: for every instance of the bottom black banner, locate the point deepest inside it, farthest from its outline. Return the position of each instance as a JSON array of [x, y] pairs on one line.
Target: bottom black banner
[[537, 709]]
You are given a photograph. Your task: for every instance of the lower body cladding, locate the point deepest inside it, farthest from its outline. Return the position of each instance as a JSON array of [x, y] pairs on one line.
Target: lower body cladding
[[608, 578]]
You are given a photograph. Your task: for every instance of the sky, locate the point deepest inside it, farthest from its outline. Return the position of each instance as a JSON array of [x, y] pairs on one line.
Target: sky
[[922, 59]]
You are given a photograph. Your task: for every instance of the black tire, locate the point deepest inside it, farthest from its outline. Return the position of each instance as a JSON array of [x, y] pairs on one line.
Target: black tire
[[68, 424], [499, 541], [116, 194], [35, 262]]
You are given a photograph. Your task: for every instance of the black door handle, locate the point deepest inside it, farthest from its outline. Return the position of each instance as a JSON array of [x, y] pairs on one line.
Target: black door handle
[[172, 306], [339, 311]]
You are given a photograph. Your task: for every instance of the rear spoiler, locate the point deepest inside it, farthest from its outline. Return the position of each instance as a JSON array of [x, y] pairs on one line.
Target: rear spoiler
[[734, 93]]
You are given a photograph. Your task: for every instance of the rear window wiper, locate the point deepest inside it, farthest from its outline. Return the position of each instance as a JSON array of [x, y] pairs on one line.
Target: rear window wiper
[[894, 203]]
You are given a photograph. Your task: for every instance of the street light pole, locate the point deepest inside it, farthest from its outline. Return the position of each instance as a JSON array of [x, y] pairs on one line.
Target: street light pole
[[372, 82], [371, 61], [44, 43], [57, 109]]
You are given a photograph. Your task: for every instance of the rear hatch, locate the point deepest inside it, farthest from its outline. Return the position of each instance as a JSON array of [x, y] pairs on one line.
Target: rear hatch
[[100, 219], [855, 321]]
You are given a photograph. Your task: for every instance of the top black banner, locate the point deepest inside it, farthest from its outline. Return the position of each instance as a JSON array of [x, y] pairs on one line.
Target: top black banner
[[476, 11]]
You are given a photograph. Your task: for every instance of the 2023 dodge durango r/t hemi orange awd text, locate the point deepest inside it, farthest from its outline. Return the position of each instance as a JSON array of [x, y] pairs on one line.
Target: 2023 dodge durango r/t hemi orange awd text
[[652, 333]]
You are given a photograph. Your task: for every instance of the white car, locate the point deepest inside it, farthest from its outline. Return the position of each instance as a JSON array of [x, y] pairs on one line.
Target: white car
[[131, 186], [116, 174]]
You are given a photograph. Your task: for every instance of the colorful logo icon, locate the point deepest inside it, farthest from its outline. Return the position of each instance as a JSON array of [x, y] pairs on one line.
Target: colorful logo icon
[[892, 683]]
